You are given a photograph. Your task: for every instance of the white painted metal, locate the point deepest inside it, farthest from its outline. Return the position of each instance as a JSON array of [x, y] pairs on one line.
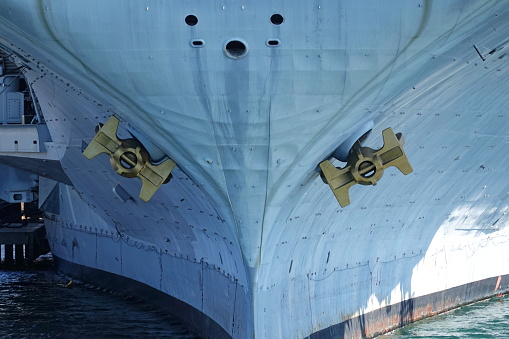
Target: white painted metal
[[17, 186], [11, 100], [246, 232], [19, 138]]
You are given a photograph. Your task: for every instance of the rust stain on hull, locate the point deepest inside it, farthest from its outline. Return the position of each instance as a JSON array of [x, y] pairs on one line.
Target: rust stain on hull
[[391, 317]]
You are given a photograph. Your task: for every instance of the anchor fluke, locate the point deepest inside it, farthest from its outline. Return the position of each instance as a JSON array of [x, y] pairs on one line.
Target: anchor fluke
[[129, 158], [365, 166]]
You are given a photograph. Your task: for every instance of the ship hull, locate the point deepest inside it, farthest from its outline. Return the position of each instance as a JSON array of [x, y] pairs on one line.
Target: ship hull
[[368, 325], [246, 240], [398, 315], [195, 320]]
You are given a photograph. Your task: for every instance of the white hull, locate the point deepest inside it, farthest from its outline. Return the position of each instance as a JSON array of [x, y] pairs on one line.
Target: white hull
[[246, 233]]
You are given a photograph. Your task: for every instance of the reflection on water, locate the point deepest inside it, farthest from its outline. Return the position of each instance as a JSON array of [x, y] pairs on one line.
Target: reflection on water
[[36, 304], [486, 319]]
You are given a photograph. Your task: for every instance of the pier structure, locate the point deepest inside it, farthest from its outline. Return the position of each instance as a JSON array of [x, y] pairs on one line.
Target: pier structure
[[22, 244]]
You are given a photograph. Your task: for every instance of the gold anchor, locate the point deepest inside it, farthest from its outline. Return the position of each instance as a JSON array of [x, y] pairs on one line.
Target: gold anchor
[[130, 159], [366, 166]]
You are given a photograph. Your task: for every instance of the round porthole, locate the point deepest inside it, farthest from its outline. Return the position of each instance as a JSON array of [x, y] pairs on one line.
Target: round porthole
[[277, 19], [191, 20], [235, 48]]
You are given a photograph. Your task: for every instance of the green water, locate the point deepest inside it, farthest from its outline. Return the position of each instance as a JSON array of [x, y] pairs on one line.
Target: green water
[[486, 319]]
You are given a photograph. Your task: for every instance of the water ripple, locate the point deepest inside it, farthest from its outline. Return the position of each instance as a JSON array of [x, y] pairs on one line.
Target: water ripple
[[34, 304], [485, 319]]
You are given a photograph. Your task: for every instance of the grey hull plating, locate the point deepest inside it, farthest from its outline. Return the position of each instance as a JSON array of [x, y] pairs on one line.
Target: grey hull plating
[[364, 326], [197, 321], [246, 234]]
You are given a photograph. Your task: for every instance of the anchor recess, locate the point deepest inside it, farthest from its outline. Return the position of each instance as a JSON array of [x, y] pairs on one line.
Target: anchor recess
[[365, 166], [130, 159]]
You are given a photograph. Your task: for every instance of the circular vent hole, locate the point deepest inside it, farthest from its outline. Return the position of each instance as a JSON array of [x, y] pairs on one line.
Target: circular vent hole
[[191, 20], [235, 49], [276, 19]]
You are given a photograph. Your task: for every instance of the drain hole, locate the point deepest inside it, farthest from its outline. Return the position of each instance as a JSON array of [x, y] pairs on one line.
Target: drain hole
[[276, 19], [273, 43], [197, 43], [235, 49], [191, 20]]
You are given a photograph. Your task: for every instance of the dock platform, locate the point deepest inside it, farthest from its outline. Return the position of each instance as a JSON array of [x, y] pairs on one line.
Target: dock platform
[[22, 244]]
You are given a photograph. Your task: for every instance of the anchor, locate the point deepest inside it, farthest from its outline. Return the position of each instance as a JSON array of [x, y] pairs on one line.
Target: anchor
[[130, 159], [366, 166]]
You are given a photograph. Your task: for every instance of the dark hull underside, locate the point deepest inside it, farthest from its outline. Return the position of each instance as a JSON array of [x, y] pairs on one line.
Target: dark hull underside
[[365, 326], [195, 320]]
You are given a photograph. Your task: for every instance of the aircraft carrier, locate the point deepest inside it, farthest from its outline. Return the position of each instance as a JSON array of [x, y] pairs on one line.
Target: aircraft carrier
[[265, 169]]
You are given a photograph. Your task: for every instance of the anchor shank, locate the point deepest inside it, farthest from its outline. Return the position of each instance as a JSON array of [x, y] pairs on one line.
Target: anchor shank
[[128, 159]]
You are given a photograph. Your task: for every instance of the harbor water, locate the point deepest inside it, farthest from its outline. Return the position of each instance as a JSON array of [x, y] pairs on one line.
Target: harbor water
[[484, 319], [38, 303]]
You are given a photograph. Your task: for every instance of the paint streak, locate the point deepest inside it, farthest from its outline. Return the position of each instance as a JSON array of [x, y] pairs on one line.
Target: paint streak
[[497, 286]]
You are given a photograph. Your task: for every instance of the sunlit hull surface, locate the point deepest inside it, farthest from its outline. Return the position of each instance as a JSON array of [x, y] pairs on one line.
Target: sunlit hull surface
[[246, 240]]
